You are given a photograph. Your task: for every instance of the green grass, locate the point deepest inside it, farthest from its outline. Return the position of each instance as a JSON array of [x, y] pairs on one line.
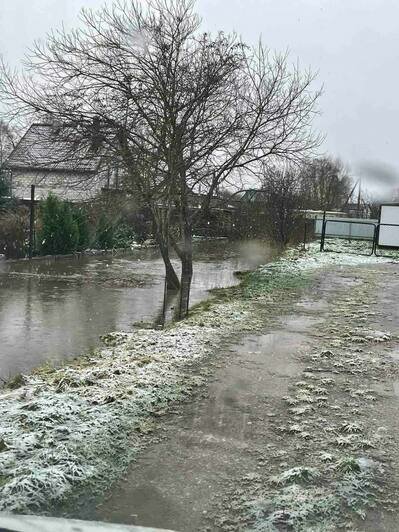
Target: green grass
[[15, 382], [270, 280], [348, 464], [296, 475], [261, 282]]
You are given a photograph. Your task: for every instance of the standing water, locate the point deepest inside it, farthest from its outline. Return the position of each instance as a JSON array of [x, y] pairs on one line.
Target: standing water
[[51, 309]]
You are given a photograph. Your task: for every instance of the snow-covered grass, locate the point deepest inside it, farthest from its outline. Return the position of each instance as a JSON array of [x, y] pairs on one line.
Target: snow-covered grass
[[66, 426], [295, 265], [314, 508], [333, 448], [79, 425]]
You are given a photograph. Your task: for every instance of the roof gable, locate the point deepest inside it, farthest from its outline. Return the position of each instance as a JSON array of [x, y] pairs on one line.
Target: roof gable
[[48, 147]]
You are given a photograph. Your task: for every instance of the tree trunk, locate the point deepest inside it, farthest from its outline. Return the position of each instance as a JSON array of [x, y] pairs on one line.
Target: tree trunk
[[172, 281], [186, 269]]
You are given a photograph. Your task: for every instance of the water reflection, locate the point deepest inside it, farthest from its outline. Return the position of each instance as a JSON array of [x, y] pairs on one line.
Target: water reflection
[[53, 309]]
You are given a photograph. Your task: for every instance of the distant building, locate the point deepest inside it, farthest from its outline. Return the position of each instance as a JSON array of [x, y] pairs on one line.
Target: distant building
[[250, 195], [313, 214], [358, 210], [45, 157]]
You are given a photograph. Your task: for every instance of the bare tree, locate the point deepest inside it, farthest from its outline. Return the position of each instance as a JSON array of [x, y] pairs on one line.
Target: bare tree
[[326, 184], [175, 108], [7, 140], [283, 198]]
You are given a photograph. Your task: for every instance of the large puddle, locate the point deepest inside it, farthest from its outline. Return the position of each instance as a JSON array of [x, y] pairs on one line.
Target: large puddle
[[54, 309]]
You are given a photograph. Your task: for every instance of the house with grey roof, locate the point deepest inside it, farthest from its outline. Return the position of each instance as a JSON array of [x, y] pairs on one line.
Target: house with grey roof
[[48, 157]]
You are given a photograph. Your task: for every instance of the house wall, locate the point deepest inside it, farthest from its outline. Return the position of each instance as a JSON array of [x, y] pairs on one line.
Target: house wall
[[73, 186]]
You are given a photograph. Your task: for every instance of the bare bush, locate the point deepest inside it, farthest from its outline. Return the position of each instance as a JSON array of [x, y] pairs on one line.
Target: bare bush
[[283, 199], [14, 232]]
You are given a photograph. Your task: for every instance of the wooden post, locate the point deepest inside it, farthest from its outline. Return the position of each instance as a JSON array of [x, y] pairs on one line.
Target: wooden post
[[32, 221]]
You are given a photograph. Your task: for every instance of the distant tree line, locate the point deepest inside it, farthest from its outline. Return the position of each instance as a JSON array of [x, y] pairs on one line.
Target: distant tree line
[[273, 212], [285, 192]]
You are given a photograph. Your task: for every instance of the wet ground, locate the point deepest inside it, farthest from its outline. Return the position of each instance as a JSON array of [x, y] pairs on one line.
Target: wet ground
[[54, 309], [174, 482], [222, 441]]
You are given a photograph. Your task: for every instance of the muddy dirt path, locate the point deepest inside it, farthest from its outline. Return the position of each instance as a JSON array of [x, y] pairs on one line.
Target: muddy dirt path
[[173, 483], [217, 453]]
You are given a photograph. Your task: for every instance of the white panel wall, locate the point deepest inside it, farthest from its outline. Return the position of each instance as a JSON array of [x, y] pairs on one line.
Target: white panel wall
[[388, 235]]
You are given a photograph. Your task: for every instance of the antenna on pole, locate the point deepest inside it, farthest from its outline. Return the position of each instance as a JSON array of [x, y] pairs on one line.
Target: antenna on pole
[[351, 193], [359, 195]]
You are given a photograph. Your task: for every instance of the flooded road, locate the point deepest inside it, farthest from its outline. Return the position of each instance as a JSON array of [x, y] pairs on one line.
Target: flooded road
[[54, 309]]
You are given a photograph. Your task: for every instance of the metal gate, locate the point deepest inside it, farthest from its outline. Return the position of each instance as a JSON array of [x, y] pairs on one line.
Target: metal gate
[[371, 233]]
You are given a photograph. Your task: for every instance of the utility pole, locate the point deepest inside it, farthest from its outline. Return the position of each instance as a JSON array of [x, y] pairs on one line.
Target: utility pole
[[32, 221]]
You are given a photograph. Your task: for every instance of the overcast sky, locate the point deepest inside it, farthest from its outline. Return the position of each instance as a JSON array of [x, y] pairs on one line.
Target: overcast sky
[[352, 44]]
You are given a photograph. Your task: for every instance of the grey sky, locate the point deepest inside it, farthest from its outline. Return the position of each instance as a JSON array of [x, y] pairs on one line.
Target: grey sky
[[353, 44]]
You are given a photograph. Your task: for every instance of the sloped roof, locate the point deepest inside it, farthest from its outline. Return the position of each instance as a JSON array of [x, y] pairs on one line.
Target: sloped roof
[[48, 147], [251, 195]]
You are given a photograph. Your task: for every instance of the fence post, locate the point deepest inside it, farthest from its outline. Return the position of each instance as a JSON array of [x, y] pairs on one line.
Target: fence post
[[323, 232], [375, 238], [32, 221], [305, 234]]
